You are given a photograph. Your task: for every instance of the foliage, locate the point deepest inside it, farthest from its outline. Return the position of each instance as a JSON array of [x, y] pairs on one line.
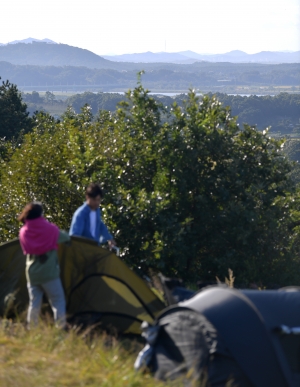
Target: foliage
[[280, 111], [189, 196], [292, 151], [34, 97], [50, 97], [47, 103], [51, 72], [99, 101], [13, 112], [51, 166]]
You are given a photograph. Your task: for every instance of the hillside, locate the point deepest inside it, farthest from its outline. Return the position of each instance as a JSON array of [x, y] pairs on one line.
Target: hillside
[[44, 54], [232, 77], [281, 112], [186, 57], [152, 57], [29, 41]]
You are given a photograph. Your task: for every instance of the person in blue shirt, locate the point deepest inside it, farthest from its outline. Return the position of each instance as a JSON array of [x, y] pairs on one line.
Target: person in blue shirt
[[86, 221]]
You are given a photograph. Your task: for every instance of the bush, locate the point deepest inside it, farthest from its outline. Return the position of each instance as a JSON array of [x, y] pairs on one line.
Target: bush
[[190, 196]]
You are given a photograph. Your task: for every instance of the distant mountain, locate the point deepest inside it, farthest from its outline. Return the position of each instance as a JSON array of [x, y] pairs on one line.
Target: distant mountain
[[260, 57], [276, 57], [192, 54], [41, 53], [45, 54], [29, 41], [149, 57], [235, 56]]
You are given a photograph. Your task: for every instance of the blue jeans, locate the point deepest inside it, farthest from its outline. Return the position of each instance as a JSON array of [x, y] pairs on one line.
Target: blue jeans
[[56, 297]]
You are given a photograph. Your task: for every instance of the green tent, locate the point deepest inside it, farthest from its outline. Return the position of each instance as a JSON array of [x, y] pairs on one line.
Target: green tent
[[99, 287]]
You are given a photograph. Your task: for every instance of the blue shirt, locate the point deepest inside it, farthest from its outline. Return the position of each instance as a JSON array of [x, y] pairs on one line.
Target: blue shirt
[[81, 226]]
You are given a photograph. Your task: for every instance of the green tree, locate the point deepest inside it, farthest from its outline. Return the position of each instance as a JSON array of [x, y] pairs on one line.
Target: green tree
[[13, 112], [34, 97], [190, 196], [198, 195], [50, 97]]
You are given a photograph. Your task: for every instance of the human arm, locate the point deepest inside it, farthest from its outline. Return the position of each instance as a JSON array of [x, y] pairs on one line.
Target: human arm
[[105, 236], [111, 243], [77, 224]]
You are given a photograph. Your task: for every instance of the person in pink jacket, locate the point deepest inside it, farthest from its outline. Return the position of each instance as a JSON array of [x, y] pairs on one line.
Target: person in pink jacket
[[39, 239]]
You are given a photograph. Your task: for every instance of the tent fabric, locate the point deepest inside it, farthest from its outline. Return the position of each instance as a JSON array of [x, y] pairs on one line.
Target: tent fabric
[[241, 325], [248, 334], [99, 287], [13, 288], [247, 320], [189, 347]]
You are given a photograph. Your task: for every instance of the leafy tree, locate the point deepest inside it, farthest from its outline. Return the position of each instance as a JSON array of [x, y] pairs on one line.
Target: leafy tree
[[54, 164], [195, 194], [34, 97], [13, 112], [264, 111], [190, 196], [50, 97]]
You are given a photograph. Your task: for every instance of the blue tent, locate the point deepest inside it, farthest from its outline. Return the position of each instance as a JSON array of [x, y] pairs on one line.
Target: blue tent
[[250, 337]]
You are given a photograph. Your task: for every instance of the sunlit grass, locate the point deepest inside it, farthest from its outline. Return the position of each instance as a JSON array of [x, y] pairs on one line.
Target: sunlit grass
[[46, 356]]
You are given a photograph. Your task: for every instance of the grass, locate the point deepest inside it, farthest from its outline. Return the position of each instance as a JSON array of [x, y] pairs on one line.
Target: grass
[[48, 357]]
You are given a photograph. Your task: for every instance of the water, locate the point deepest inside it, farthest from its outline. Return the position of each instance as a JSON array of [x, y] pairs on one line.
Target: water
[[175, 94], [256, 95], [157, 93]]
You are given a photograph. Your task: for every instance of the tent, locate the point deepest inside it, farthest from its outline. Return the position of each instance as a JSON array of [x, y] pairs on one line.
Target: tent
[[98, 285], [250, 337]]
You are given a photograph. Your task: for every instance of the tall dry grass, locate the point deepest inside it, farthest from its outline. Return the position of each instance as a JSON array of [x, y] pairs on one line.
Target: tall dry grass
[[48, 357]]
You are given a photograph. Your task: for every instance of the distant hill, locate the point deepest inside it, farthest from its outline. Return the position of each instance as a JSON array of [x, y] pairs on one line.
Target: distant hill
[[235, 56], [162, 76], [41, 53], [45, 54], [31, 40], [151, 57]]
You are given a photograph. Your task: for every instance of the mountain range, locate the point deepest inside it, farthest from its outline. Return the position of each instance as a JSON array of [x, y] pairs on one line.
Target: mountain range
[[188, 57], [46, 52], [29, 40]]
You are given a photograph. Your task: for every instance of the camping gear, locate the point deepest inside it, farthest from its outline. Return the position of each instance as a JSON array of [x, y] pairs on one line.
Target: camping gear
[[174, 290], [248, 337], [99, 287]]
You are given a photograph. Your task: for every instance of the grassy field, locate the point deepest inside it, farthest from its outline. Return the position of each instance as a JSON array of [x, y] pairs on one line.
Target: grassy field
[[48, 357]]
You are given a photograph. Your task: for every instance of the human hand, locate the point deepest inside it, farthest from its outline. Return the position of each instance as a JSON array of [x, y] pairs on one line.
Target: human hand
[[111, 243]]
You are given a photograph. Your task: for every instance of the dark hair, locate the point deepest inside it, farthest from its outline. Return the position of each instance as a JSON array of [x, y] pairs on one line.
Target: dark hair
[[31, 211], [93, 190]]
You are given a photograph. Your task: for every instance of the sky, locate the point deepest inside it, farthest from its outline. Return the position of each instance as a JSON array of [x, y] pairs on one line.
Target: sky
[[111, 27]]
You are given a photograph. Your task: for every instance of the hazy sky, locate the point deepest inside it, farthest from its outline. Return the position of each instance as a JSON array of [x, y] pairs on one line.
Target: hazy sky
[[119, 26]]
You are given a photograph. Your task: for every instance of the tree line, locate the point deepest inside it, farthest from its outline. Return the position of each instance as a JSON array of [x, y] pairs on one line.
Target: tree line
[[158, 76], [280, 112], [191, 195]]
